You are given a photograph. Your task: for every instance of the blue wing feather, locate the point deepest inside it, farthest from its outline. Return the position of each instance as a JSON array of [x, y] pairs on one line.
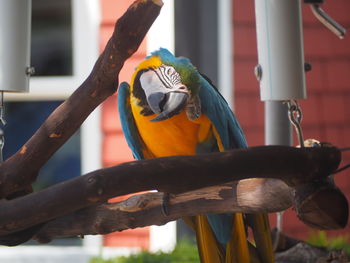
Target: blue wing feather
[[128, 123], [219, 113]]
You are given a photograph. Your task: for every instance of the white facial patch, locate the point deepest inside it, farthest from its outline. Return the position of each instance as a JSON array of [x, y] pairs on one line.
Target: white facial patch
[[159, 85], [151, 84], [162, 79]]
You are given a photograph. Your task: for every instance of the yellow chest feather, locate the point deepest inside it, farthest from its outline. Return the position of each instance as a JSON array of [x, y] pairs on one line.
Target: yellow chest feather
[[175, 136]]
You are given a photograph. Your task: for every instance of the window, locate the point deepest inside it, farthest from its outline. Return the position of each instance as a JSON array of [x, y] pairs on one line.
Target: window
[[23, 119], [51, 38]]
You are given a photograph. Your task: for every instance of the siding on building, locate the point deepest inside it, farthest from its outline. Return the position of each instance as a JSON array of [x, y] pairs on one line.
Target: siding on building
[[326, 111], [115, 149]]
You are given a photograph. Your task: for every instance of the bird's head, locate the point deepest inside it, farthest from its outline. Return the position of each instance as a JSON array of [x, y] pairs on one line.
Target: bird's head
[[166, 85]]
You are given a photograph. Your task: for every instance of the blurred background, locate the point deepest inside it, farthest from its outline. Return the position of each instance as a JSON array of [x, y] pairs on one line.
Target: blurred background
[[219, 36]]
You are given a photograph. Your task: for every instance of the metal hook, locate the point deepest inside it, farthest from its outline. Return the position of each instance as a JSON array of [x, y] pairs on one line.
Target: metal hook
[[295, 116], [329, 22]]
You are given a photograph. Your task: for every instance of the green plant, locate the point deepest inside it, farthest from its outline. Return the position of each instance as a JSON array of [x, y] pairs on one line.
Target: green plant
[[184, 251], [320, 238]]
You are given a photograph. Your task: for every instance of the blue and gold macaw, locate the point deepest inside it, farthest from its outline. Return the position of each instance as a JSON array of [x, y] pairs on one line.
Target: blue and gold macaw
[[171, 109]]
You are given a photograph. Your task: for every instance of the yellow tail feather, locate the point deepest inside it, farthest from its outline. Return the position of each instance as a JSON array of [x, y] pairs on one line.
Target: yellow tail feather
[[238, 249], [210, 250], [253, 253], [262, 236]]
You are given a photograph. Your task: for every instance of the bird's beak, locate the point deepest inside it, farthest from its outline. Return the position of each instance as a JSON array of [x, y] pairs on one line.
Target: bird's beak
[[172, 104], [166, 101]]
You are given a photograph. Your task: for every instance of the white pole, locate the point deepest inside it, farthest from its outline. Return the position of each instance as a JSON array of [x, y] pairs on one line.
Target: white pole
[[87, 14], [15, 29], [280, 49], [281, 66], [225, 48], [162, 32]]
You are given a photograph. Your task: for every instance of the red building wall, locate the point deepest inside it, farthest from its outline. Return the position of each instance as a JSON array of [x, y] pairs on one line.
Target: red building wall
[[326, 111]]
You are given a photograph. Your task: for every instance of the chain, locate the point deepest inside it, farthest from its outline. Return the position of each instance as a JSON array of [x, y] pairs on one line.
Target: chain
[[2, 142], [295, 116], [2, 108]]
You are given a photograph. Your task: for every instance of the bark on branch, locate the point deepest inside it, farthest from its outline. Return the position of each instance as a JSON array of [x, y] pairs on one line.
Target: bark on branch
[[20, 170], [177, 174], [249, 196]]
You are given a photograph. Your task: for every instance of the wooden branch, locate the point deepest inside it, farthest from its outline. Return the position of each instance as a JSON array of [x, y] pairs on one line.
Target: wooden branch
[[321, 205], [249, 196], [21, 169], [177, 174]]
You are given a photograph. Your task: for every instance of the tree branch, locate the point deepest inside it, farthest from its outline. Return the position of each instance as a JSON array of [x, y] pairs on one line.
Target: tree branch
[[177, 174], [248, 196], [21, 169]]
